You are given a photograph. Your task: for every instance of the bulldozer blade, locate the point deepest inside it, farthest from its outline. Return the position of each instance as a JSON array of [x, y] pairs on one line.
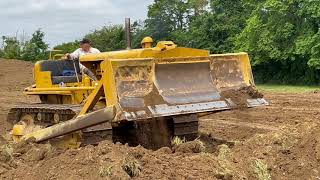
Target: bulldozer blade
[[148, 88], [78, 123]]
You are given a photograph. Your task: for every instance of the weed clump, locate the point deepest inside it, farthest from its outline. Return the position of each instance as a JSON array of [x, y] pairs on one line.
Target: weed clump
[[6, 152], [131, 166], [195, 146], [105, 171], [261, 170], [176, 141]]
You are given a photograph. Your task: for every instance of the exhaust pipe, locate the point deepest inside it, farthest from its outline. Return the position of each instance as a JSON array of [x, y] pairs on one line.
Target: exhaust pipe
[[128, 32]]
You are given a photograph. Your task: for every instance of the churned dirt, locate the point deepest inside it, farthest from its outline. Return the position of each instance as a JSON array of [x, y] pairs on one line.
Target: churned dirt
[[281, 141]]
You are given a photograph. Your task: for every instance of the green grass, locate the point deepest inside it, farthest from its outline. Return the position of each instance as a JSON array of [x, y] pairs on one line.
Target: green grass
[[287, 88]]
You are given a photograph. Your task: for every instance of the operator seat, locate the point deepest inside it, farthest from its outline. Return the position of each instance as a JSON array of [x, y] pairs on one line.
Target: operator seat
[[58, 69]]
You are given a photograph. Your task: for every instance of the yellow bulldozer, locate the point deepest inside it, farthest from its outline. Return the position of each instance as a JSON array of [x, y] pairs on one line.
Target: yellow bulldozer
[[143, 96]]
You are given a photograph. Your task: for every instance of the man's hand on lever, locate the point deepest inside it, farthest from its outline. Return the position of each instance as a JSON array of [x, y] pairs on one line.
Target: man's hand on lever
[[66, 57]]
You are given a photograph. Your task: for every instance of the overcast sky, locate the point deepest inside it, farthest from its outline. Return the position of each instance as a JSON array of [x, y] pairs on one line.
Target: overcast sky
[[66, 20]]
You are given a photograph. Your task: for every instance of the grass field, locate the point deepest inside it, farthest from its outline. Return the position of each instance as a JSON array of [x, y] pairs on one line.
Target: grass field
[[287, 88]]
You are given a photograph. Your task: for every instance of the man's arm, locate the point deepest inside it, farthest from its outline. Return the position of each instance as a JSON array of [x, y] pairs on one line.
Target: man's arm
[[74, 55]]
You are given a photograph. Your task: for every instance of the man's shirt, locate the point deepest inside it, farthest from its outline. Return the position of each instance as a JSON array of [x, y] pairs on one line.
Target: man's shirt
[[79, 52]]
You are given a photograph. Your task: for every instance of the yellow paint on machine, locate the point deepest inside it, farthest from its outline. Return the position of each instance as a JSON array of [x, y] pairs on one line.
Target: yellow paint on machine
[[130, 79]]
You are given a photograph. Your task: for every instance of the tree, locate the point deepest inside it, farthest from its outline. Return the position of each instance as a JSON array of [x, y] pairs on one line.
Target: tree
[[198, 6], [216, 28], [30, 50], [284, 34], [314, 43], [167, 16], [67, 47], [35, 48], [138, 33], [11, 48], [108, 38]]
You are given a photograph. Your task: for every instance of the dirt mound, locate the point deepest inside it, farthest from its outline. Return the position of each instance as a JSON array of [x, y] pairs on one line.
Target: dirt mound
[[15, 75], [293, 153], [107, 160], [240, 96]]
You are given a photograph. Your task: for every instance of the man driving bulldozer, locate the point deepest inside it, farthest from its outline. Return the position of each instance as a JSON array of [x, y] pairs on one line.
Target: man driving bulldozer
[[85, 48]]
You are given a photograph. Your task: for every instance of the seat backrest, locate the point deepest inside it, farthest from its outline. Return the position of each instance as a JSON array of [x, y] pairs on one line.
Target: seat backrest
[[58, 66]]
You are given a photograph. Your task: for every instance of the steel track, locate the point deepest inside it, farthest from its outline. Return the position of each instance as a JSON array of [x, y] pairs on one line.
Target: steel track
[[45, 115]]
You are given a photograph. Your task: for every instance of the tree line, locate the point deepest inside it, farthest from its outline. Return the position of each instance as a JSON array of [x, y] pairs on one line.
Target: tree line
[[24, 49], [282, 37]]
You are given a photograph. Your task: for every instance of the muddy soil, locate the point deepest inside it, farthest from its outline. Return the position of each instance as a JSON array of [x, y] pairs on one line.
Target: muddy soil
[[281, 141]]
